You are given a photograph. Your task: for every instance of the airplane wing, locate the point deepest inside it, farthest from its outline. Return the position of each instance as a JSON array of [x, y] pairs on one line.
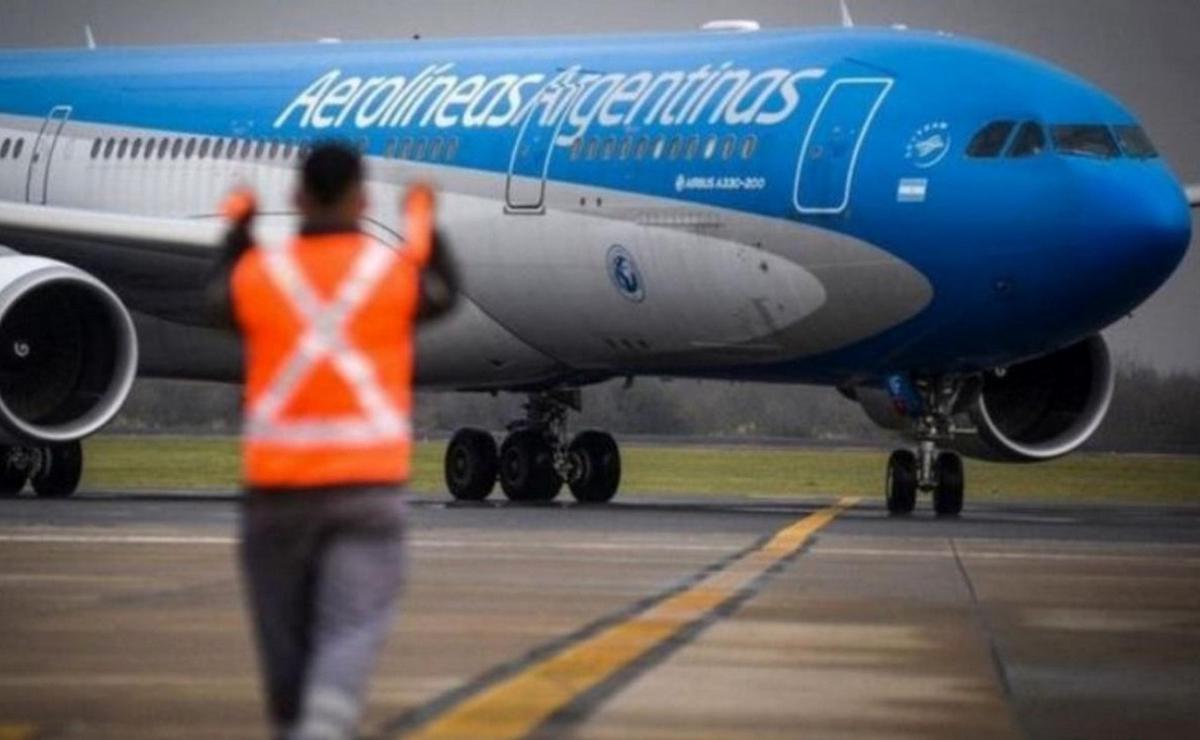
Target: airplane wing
[[156, 265]]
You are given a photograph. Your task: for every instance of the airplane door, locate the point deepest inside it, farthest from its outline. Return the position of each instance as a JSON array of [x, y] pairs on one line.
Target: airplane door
[[525, 191], [38, 180], [829, 155]]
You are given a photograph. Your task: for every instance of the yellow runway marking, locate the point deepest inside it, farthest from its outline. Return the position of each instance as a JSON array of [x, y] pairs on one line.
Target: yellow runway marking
[[16, 732], [517, 705]]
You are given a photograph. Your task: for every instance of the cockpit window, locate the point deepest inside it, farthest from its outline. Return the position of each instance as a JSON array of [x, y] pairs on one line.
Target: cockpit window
[[990, 140], [1085, 141], [1135, 142], [1029, 142]]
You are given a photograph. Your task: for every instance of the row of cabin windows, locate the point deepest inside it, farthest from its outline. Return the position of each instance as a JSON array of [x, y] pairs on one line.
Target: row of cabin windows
[[1086, 140], [11, 148], [660, 147], [420, 149], [198, 148]]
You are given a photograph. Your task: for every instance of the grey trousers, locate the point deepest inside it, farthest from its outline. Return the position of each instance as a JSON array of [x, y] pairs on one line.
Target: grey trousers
[[322, 569]]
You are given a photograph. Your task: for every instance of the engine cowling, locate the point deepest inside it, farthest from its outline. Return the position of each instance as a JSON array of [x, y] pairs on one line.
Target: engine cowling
[[1041, 409], [1031, 412], [68, 352]]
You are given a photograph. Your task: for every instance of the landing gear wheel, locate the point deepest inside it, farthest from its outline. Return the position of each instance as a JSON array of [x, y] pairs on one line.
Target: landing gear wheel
[[527, 467], [12, 476], [901, 485], [948, 495], [596, 461], [471, 464], [58, 475]]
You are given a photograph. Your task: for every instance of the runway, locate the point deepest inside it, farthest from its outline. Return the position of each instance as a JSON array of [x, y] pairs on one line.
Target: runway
[[120, 616]]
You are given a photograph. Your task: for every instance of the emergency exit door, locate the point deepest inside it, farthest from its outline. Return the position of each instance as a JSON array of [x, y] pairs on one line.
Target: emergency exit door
[[37, 182], [525, 190], [829, 154]]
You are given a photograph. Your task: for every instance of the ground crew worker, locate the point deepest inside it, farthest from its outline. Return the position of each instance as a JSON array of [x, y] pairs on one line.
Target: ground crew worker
[[327, 328]]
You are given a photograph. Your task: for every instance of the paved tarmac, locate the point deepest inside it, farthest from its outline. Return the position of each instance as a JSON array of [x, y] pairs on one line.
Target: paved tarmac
[[120, 617]]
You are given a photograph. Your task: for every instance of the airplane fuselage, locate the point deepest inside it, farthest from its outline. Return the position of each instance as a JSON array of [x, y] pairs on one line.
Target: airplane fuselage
[[797, 206]]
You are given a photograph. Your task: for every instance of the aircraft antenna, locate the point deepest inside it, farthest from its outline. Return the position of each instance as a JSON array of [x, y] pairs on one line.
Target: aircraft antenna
[[847, 19], [91, 39]]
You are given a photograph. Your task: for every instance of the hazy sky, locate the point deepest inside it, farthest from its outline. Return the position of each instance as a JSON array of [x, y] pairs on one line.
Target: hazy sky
[[1146, 52]]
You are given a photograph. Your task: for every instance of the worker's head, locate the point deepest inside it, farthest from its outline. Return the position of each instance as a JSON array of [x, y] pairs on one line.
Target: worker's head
[[331, 184]]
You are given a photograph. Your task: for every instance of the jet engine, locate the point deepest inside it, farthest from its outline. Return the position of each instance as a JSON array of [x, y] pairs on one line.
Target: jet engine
[[1041, 409], [1030, 412], [68, 352]]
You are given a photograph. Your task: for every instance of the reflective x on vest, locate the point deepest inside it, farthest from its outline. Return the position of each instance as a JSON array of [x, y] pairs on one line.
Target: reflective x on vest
[[324, 338]]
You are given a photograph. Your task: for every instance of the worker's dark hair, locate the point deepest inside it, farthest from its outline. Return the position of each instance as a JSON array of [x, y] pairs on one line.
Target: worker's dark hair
[[330, 170]]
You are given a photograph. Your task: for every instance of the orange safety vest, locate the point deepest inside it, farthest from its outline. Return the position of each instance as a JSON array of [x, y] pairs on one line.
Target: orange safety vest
[[327, 323]]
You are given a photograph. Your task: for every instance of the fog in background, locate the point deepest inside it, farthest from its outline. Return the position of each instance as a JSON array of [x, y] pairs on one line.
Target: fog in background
[[1146, 52]]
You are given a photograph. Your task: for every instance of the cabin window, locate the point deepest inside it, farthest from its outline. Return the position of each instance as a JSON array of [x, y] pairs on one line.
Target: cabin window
[[149, 151], [1135, 142], [109, 147], [749, 146], [419, 149], [728, 148], [190, 151], [176, 148], [435, 149], [593, 148], [576, 149], [660, 146], [693, 148], [205, 145], [676, 148], [451, 148], [17, 148], [218, 148], [260, 148], [610, 147], [626, 147], [163, 145], [1085, 141], [1030, 141], [136, 150], [406, 148], [96, 145], [990, 140], [390, 151], [643, 147], [123, 149], [710, 148]]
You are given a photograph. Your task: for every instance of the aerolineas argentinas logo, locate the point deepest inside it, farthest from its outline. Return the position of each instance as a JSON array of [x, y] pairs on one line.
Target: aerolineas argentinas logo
[[438, 97]]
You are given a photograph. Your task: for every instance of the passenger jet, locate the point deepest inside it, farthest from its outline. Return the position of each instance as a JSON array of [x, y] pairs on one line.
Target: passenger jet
[[939, 228]]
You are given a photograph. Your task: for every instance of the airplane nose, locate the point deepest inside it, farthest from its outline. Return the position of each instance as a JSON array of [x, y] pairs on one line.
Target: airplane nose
[[1139, 226]]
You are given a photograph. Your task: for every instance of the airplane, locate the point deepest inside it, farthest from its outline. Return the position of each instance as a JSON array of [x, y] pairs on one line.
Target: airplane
[[937, 227]]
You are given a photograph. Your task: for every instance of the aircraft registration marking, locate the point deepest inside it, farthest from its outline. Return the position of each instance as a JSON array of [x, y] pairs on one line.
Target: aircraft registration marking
[[518, 705]]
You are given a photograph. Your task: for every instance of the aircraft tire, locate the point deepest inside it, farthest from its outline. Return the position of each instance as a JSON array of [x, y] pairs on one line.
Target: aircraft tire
[[901, 485], [597, 457], [12, 478], [471, 465], [60, 471], [527, 468], [948, 496]]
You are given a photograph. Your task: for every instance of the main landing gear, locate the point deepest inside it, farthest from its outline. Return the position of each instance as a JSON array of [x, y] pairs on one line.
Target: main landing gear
[[929, 469], [536, 457], [53, 470]]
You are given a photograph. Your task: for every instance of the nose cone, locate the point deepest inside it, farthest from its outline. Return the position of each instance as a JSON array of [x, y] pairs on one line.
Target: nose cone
[[1137, 226]]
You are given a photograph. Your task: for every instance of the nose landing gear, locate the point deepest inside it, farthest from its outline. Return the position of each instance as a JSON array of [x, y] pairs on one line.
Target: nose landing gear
[[929, 469], [536, 458]]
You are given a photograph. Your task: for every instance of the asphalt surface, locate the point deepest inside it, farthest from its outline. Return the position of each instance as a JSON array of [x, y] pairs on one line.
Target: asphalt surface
[[121, 616]]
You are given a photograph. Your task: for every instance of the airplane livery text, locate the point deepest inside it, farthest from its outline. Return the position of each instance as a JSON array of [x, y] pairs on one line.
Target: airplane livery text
[[437, 97]]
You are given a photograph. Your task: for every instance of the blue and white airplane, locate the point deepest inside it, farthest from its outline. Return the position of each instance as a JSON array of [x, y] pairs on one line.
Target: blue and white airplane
[[938, 227]]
